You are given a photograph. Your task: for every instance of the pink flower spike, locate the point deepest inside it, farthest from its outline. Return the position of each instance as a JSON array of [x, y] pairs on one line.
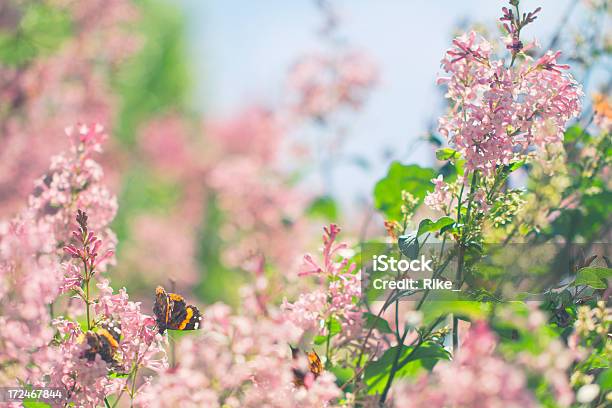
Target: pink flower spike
[[104, 257], [310, 266], [96, 246], [71, 250]]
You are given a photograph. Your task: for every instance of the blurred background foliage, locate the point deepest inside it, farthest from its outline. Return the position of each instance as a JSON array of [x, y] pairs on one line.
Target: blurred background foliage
[[158, 80]]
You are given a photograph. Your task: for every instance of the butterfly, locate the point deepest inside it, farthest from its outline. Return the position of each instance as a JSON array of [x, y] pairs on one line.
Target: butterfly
[[172, 313], [104, 341], [315, 366]]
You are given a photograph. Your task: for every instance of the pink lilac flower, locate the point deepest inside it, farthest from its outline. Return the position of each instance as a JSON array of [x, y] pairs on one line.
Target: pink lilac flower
[[440, 198], [499, 113], [339, 287], [238, 361], [477, 377], [85, 380], [74, 181], [513, 25], [30, 279]]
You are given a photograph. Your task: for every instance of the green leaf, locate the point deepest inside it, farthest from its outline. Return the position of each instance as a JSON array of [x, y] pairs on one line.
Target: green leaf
[[408, 245], [318, 340], [334, 328], [35, 404], [412, 178], [515, 166], [446, 153], [593, 276], [40, 31], [342, 374], [467, 310], [605, 380], [573, 133], [377, 322], [323, 207], [428, 225], [412, 363]]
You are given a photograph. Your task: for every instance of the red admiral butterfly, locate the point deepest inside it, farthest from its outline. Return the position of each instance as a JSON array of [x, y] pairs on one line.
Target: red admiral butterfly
[[315, 366], [104, 341], [172, 313]]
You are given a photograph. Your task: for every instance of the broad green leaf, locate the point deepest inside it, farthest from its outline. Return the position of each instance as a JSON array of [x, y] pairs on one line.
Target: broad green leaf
[[318, 340], [408, 245], [605, 380], [469, 310], [593, 276], [515, 166], [35, 404], [428, 225], [446, 153], [412, 178], [600, 271], [377, 322], [410, 364], [342, 374], [573, 133], [323, 207]]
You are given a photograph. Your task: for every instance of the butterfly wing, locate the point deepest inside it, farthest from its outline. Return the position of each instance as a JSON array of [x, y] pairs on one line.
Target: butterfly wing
[[162, 309], [182, 316], [314, 363], [315, 366], [171, 312]]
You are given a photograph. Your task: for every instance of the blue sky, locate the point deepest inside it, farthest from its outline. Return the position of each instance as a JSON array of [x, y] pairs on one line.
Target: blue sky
[[241, 50]]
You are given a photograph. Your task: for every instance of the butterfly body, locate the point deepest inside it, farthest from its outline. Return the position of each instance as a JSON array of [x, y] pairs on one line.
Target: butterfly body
[[103, 342], [315, 366], [172, 313]]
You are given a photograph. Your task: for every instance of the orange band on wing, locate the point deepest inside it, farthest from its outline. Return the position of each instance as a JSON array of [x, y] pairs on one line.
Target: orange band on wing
[[187, 319], [109, 337]]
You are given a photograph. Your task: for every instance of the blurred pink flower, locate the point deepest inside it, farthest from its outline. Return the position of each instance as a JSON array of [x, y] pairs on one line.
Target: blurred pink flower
[[37, 97], [255, 132], [264, 214], [320, 84], [239, 361], [477, 377]]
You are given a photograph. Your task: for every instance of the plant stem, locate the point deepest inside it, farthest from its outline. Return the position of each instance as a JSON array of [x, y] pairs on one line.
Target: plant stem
[[398, 365], [327, 356], [394, 367], [87, 276], [132, 392]]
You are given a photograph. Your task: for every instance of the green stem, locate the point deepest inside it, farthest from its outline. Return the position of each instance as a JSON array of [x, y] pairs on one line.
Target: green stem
[[327, 348], [133, 390], [394, 367], [87, 276], [461, 256], [398, 365]]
